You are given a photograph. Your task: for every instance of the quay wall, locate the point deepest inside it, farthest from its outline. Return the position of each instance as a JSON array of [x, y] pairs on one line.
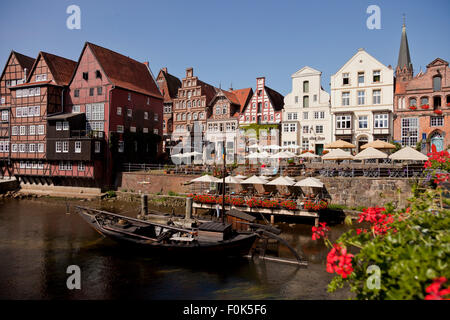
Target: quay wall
[[351, 192], [142, 182], [368, 192]]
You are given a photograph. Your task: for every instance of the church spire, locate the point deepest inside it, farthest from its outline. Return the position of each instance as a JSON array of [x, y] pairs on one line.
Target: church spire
[[404, 58]]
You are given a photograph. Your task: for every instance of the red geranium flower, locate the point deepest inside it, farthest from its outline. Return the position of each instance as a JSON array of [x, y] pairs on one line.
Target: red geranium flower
[[339, 261], [434, 292], [320, 231]]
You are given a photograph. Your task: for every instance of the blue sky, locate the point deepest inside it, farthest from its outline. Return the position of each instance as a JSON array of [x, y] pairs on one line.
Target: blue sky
[[230, 41]]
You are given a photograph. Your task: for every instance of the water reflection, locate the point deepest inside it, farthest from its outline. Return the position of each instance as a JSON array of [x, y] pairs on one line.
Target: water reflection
[[38, 241]]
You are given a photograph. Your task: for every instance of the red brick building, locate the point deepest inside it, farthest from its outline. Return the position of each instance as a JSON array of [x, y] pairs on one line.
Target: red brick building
[[264, 108], [75, 123], [192, 107], [168, 86], [122, 104], [421, 102]]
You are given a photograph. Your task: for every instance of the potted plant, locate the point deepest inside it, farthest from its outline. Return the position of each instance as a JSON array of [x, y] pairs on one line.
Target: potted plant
[[412, 107], [425, 106], [438, 111]]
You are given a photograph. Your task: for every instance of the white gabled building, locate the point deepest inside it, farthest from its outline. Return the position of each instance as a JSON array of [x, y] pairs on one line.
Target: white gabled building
[[306, 113], [362, 100]]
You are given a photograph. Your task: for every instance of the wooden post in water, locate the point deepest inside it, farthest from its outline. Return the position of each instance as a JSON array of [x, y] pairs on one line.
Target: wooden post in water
[[144, 204], [188, 208]]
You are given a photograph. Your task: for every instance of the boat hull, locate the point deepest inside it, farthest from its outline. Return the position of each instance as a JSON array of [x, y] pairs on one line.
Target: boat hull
[[239, 245]]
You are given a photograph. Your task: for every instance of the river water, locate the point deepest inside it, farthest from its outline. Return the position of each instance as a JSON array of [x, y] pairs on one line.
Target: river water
[[38, 241]]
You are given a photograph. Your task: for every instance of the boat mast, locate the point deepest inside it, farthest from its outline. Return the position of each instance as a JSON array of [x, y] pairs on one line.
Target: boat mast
[[223, 180]]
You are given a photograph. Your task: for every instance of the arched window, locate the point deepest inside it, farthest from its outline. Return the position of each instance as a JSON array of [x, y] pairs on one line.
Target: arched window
[[189, 104], [193, 103], [437, 83], [179, 117], [184, 116], [423, 101], [306, 86], [195, 116], [189, 116], [305, 101], [412, 102]]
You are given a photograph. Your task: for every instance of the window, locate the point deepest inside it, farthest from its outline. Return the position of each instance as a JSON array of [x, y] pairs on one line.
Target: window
[[121, 146], [14, 147], [23, 130], [58, 146], [132, 129], [345, 98], [381, 121], [344, 122], [97, 146], [437, 121], [77, 146], [305, 144], [305, 86], [65, 166], [24, 112], [66, 125], [32, 130], [305, 101], [412, 102], [376, 76], [41, 77], [119, 128], [129, 96], [65, 146], [99, 91], [437, 83], [360, 78], [305, 115], [155, 117], [145, 115], [423, 101], [376, 96], [41, 129], [129, 113], [76, 93], [345, 79], [148, 100], [361, 96], [18, 112], [81, 166], [85, 76], [119, 111], [15, 131], [76, 109], [410, 131], [5, 115], [98, 74], [41, 147], [319, 129], [145, 130], [58, 125], [362, 122], [292, 127], [91, 92], [305, 129], [32, 147], [40, 165]]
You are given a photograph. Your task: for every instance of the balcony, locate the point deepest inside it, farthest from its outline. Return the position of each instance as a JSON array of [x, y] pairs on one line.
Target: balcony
[[90, 134]]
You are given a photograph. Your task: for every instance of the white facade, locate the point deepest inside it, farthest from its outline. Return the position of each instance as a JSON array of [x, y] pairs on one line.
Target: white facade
[[306, 113], [362, 100]]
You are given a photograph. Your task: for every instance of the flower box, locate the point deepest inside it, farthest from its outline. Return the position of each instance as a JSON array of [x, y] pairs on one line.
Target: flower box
[[437, 111], [448, 104], [412, 107], [425, 106]]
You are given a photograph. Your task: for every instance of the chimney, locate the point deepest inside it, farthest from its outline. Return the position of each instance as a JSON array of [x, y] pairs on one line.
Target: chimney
[[146, 64], [164, 69]]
